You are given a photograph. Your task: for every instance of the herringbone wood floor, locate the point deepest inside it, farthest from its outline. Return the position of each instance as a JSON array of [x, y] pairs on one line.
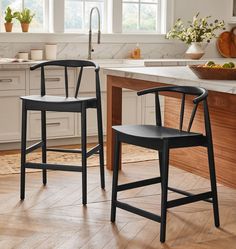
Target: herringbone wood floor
[[53, 217]]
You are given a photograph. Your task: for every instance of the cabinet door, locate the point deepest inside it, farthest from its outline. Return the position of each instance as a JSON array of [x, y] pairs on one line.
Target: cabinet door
[[59, 124], [88, 80], [92, 129], [55, 79], [131, 108], [149, 112], [12, 80], [10, 111]]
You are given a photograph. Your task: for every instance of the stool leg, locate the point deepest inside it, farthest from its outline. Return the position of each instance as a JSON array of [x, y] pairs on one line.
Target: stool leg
[[160, 163], [211, 162], [84, 154], [164, 183], [101, 150], [115, 178], [23, 150], [44, 147]]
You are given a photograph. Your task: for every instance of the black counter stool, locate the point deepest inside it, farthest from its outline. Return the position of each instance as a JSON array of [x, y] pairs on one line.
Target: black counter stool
[[44, 103], [163, 139]]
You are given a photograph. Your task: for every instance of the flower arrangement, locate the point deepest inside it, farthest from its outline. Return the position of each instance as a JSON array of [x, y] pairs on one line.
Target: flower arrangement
[[197, 30]]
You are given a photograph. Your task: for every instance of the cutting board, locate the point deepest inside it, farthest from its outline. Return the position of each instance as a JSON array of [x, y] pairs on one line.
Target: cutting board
[[226, 43]]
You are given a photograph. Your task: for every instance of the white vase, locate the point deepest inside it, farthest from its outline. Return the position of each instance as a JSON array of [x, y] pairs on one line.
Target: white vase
[[195, 51]]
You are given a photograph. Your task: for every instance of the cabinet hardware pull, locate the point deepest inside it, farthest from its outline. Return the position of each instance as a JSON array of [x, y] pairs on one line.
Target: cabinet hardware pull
[[6, 80], [54, 124], [52, 79]]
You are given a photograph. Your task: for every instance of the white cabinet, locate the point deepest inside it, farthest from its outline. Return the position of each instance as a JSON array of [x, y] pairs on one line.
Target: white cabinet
[[54, 79], [131, 108], [12, 86], [59, 125], [12, 80], [10, 111]]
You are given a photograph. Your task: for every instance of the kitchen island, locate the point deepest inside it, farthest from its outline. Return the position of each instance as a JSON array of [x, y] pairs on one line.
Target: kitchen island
[[221, 101]]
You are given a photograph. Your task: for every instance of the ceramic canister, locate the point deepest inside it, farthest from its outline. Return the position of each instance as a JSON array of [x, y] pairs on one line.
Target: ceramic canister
[[51, 51], [36, 54]]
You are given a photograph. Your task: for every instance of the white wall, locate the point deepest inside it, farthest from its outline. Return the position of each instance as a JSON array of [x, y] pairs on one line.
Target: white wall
[[218, 9]]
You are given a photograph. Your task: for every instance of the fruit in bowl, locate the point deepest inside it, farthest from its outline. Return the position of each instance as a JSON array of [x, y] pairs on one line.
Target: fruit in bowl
[[212, 64]]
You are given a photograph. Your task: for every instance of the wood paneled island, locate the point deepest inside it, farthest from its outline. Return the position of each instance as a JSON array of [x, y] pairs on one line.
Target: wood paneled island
[[222, 105]]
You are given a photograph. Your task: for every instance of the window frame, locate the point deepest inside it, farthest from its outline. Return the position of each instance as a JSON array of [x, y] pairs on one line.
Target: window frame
[[158, 19], [166, 17], [83, 30], [54, 30], [45, 16]]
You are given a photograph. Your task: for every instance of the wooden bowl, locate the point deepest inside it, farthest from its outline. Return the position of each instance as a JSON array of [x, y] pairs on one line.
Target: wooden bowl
[[211, 73]]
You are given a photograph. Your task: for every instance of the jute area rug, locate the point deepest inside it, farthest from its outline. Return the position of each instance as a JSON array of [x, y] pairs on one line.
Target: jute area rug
[[10, 161]]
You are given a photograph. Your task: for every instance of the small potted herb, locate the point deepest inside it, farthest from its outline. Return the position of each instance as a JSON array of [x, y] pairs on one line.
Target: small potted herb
[[24, 17], [8, 18]]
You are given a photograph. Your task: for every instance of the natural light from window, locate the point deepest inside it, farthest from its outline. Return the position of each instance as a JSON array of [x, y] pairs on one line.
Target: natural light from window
[[77, 14], [141, 15], [36, 6]]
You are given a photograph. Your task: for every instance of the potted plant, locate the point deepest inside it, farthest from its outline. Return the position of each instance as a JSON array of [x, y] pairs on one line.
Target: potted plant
[[194, 33], [8, 18], [24, 17]]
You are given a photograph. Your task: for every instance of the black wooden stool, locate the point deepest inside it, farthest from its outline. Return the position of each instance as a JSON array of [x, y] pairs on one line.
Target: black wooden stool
[[163, 139], [44, 103]]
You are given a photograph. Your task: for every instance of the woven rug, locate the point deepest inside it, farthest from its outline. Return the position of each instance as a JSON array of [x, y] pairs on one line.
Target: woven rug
[[10, 162]]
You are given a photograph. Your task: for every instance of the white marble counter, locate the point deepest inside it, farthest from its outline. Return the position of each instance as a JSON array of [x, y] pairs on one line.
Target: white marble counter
[[173, 75], [184, 62]]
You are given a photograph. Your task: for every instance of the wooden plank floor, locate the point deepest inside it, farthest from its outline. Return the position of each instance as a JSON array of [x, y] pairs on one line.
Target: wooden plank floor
[[53, 217]]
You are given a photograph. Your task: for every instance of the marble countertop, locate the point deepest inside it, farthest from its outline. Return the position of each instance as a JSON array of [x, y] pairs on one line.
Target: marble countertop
[[6, 63], [184, 62], [179, 75]]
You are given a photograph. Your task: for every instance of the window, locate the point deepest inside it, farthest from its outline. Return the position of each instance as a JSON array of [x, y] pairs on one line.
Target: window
[[77, 14], [141, 15], [38, 7]]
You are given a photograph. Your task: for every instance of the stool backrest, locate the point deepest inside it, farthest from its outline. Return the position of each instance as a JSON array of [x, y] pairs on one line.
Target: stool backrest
[[201, 96], [65, 64]]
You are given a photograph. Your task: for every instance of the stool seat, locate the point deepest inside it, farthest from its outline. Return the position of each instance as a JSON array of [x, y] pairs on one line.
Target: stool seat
[[153, 132], [56, 99]]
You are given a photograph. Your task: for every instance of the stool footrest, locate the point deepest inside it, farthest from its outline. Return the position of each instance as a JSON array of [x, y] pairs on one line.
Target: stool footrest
[[64, 150], [94, 150], [34, 147], [53, 167], [189, 199], [138, 184], [182, 192], [138, 211]]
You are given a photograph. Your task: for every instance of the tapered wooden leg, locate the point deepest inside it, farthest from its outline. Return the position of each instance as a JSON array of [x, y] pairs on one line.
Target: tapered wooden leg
[[101, 150], [84, 154], [164, 194], [23, 150], [114, 117], [116, 161], [44, 146]]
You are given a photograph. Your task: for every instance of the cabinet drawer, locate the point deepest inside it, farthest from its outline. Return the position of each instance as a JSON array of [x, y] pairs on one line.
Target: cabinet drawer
[[58, 125], [54, 78], [12, 80]]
